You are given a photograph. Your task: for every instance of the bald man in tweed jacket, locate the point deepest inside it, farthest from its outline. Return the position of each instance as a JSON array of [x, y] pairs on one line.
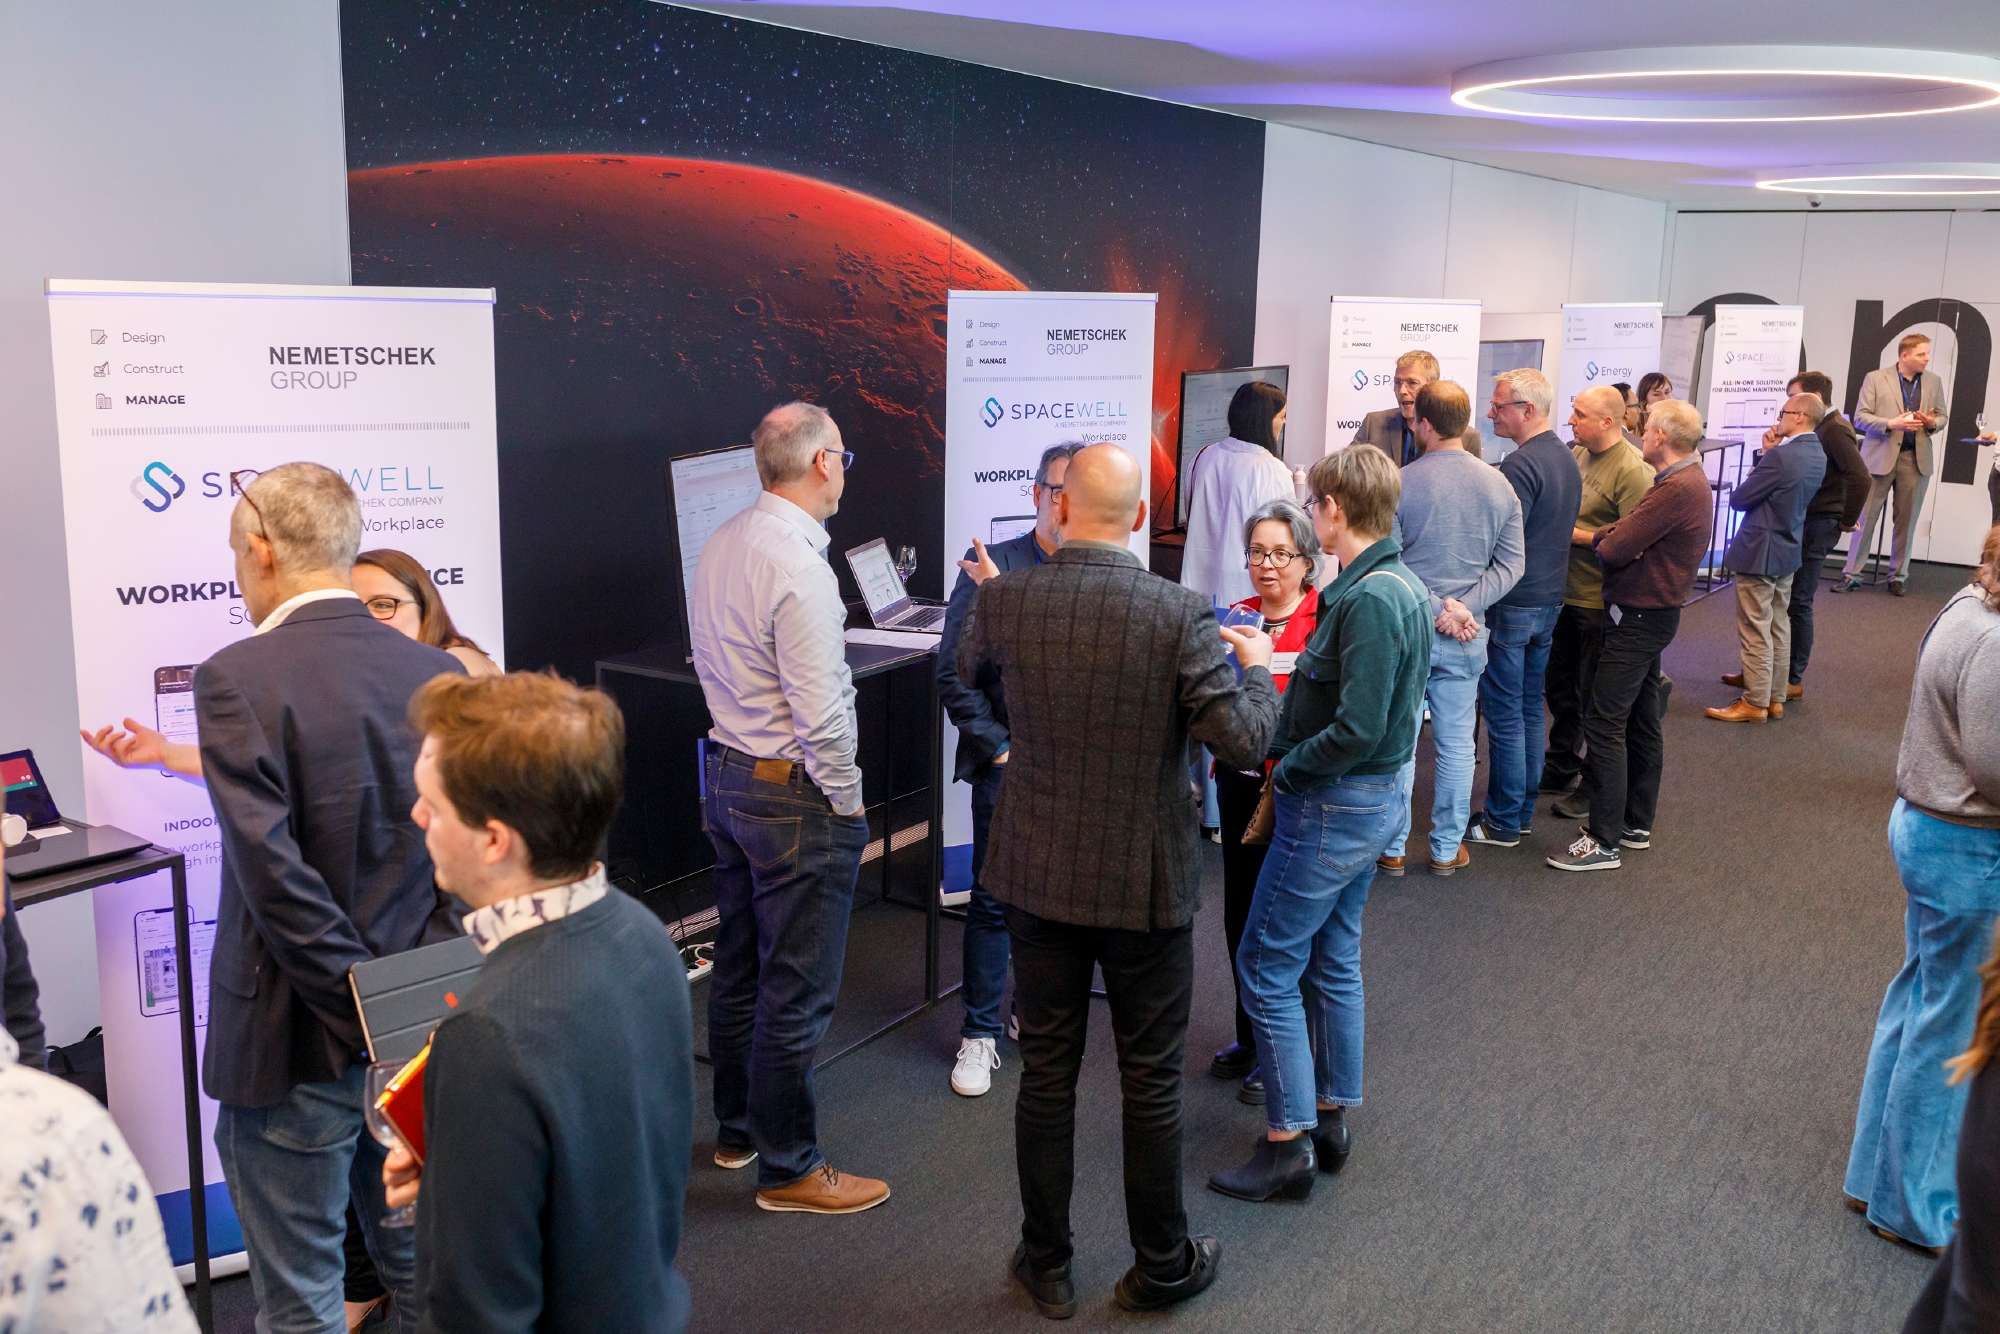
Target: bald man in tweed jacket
[[1094, 852]]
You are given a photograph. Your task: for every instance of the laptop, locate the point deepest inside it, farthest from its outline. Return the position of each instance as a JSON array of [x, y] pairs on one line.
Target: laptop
[[890, 605], [53, 843]]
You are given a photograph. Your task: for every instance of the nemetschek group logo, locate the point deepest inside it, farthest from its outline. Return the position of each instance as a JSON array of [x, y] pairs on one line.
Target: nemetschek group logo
[[992, 412], [157, 477]]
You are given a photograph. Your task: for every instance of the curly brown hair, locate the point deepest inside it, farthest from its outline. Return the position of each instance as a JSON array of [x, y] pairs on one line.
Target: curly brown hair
[[1987, 577]]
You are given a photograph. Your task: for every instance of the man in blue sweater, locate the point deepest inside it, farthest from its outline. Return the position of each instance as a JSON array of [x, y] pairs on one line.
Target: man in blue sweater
[[1459, 526], [1522, 624], [559, 1095]]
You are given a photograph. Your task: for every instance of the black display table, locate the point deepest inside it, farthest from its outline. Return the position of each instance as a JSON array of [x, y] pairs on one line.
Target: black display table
[[147, 861], [658, 840]]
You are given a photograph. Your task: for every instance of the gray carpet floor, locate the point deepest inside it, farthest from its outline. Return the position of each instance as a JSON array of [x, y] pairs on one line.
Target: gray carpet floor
[[1619, 1101]]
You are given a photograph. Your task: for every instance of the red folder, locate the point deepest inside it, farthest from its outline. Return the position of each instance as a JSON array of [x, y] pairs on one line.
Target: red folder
[[402, 1103]]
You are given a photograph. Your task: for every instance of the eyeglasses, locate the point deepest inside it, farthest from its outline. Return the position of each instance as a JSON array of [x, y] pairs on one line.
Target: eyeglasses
[[1792, 412], [384, 609], [846, 457], [1517, 403], [1051, 488], [239, 485], [1278, 558]]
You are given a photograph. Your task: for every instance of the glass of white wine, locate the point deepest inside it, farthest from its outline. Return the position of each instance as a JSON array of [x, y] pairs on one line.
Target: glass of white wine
[[379, 1075], [906, 563]]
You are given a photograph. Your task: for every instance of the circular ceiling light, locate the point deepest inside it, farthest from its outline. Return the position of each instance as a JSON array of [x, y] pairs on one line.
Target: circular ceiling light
[[1887, 178], [1731, 84]]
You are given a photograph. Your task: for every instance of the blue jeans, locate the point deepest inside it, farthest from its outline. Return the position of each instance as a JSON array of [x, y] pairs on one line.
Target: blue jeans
[[1517, 660], [1453, 695], [291, 1170], [1305, 922], [1904, 1160], [784, 885], [985, 951]]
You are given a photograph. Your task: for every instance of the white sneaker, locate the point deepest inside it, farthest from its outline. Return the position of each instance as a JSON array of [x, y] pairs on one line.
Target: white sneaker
[[977, 1060]]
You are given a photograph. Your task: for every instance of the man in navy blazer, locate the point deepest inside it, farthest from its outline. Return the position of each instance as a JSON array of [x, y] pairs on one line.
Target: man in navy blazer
[[978, 710], [310, 762], [1765, 554]]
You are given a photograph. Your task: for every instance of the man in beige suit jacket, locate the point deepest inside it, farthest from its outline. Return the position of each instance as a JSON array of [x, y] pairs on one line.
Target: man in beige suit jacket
[[1900, 411]]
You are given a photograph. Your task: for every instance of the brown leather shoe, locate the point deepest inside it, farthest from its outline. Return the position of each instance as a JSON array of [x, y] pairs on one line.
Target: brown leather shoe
[[1742, 711], [1794, 692], [1775, 710], [824, 1191], [1734, 679], [1458, 863], [1389, 865]]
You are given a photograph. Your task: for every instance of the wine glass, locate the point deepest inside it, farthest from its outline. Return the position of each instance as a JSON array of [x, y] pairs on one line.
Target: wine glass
[[379, 1075], [906, 563]]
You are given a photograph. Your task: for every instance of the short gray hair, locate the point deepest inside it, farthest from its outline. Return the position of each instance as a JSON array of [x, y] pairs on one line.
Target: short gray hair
[[1814, 408], [1287, 512], [1531, 385], [1679, 422], [309, 515], [1065, 450], [788, 439]]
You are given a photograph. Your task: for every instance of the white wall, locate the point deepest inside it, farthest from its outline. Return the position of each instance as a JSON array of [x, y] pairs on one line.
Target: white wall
[[1343, 217], [1828, 261], [196, 140]]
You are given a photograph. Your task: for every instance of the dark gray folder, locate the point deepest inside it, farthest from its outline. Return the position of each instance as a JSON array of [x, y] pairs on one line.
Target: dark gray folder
[[403, 997]]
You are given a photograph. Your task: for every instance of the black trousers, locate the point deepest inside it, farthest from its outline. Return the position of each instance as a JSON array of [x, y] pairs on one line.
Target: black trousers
[[1621, 724], [1236, 794], [1566, 687], [1822, 531], [1149, 978]]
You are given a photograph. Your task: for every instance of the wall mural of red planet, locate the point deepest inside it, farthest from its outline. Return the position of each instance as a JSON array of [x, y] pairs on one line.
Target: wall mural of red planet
[[730, 216]]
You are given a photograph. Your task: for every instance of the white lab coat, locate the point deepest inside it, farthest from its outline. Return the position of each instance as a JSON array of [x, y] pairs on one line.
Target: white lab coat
[[1227, 483]]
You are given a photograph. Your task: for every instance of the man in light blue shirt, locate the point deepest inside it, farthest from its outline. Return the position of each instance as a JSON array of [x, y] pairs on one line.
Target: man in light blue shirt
[[782, 807], [1459, 524]]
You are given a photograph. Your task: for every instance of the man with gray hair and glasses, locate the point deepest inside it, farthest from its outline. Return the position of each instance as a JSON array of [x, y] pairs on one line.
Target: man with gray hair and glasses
[[310, 764], [978, 709], [782, 806]]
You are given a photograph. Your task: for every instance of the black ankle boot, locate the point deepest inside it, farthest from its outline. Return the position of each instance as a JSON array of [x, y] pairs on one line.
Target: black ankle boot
[[1281, 1168], [1331, 1141]]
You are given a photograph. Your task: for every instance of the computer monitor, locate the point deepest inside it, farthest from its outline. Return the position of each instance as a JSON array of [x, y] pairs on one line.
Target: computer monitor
[[27, 795], [1205, 399], [704, 491]]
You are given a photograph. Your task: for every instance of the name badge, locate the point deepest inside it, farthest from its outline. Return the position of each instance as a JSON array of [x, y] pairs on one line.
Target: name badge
[[1282, 663]]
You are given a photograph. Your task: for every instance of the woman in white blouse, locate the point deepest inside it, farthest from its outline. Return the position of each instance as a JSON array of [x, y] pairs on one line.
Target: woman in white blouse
[[1228, 482]]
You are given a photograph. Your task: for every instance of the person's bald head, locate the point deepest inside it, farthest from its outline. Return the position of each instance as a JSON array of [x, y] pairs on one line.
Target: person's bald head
[[1102, 498], [1597, 416]]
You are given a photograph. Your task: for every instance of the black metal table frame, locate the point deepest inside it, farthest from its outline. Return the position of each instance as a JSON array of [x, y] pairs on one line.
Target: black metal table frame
[[149, 861], [934, 786]]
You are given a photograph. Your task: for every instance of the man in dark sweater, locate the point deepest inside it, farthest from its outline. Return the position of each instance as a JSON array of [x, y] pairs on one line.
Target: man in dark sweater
[[559, 1094], [1649, 557], [1544, 474]]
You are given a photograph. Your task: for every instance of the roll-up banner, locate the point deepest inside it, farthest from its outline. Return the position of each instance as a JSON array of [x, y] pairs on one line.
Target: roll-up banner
[[1756, 353], [1369, 333], [1023, 371], [1606, 344], [164, 391]]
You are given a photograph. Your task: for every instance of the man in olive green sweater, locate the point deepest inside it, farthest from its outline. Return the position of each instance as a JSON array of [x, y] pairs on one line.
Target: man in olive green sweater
[[1615, 478]]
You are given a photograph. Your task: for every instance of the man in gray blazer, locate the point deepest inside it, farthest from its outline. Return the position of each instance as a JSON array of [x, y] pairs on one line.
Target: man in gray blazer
[[310, 762], [1094, 853], [1901, 410], [1393, 430], [1765, 554]]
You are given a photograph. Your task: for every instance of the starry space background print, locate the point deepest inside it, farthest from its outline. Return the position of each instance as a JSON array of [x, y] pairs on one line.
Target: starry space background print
[[690, 219]]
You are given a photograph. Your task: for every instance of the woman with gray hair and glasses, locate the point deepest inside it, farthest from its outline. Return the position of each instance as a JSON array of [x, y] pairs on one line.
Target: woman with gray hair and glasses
[[1282, 556]]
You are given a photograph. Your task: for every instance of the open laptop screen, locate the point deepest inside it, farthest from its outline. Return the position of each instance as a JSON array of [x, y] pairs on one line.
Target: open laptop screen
[[27, 795], [875, 572]]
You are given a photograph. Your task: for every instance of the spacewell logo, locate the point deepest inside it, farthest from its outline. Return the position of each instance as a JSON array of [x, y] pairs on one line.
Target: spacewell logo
[[1360, 379], [1731, 356], [157, 476], [1592, 372], [991, 412]]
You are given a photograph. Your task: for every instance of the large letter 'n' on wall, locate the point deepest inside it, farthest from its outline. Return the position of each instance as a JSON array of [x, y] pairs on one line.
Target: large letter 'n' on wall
[[1968, 382]]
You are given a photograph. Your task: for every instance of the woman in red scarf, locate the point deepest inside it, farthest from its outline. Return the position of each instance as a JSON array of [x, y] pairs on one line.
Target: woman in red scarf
[[1283, 558]]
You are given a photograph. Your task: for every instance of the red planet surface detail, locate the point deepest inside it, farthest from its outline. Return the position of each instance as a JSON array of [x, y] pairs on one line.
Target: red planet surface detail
[[709, 270]]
